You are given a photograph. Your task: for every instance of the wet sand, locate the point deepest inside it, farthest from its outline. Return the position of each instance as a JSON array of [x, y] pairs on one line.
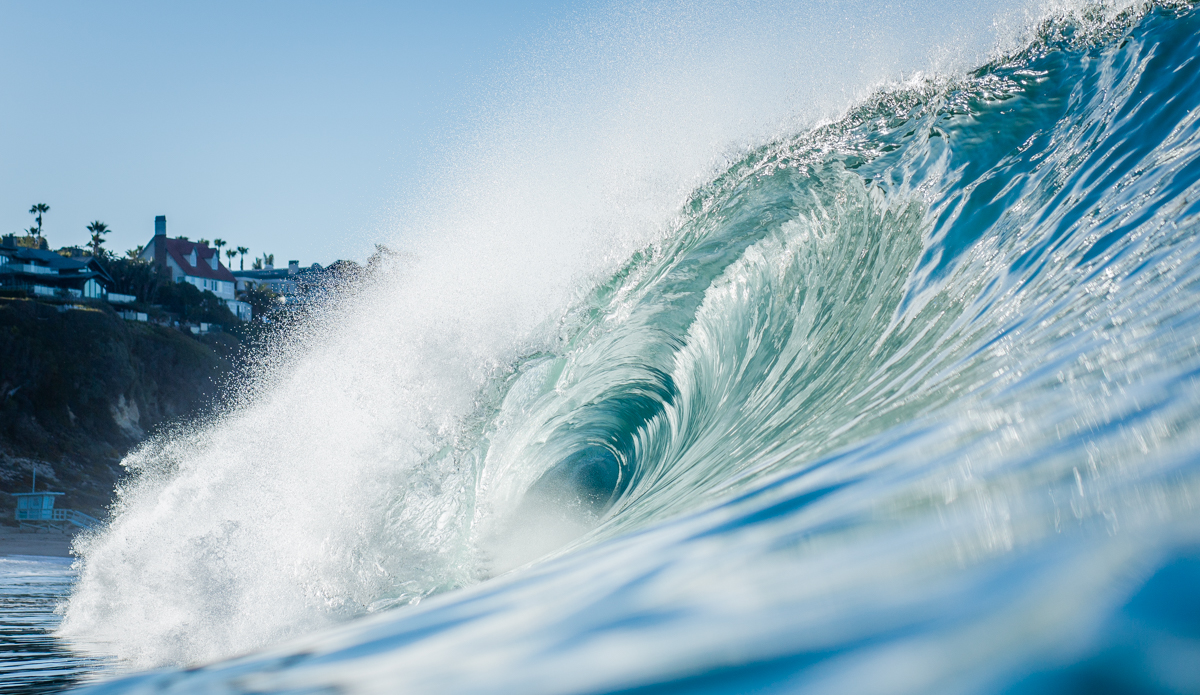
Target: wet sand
[[16, 542]]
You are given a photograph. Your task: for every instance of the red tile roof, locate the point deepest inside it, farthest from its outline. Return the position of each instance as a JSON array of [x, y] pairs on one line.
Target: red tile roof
[[179, 250]]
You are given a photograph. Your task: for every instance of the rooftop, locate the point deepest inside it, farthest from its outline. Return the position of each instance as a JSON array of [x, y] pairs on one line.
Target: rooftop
[[62, 266], [180, 250]]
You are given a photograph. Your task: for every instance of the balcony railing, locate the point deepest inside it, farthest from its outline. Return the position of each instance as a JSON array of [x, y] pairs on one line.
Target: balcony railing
[[29, 268]]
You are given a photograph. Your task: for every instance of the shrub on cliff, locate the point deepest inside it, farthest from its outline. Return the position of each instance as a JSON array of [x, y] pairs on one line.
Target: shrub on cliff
[[142, 279], [134, 276], [195, 305]]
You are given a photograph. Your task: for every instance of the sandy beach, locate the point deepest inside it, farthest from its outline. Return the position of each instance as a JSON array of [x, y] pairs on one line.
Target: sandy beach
[[14, 541]]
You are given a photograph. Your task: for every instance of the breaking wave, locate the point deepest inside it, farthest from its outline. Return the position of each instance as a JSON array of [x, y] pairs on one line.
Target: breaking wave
[[907, 402]]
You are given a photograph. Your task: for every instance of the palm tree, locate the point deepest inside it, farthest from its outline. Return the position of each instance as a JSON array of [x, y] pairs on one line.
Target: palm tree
[[243, 251], [39, 209], [230, 254], [202, 242], [98, 230], [33, 241], [268, 259], [218, 243], [134, 253]]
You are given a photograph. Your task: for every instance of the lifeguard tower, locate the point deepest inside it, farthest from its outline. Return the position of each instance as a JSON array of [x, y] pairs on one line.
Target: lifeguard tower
[[35, 510]]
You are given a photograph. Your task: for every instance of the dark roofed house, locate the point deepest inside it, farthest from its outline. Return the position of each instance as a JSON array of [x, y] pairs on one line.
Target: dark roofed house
[[298, 285], [46, 273], [197, 264], [284, 282]]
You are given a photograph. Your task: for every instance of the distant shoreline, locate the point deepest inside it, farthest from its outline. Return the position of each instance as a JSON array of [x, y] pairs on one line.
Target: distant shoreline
[[13, 541]]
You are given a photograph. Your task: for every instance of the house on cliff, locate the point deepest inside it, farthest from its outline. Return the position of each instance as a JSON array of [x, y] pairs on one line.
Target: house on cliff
[[292, 284], [299, 285], [46, 273], [197, 264]]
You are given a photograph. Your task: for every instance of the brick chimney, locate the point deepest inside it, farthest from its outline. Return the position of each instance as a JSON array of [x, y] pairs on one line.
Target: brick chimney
[[160, 241]]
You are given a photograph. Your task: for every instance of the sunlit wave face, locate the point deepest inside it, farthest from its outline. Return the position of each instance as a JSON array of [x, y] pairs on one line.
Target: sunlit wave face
[[833, 376]]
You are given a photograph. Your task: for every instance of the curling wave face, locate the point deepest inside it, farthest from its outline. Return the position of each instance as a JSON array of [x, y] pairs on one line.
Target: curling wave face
[[908, 403]]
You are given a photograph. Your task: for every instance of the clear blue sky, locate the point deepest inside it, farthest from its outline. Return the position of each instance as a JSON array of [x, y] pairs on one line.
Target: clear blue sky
[[283, 126], [308, 130]]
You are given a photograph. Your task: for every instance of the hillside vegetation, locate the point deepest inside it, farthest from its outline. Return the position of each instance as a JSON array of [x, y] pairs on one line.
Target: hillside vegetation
[[79, 387]]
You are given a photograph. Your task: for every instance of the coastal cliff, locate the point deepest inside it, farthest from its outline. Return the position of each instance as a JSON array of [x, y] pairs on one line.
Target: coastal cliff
[[79, 387]]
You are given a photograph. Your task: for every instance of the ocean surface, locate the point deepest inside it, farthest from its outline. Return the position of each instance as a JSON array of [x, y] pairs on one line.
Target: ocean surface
[[905, 403], [31, 659]]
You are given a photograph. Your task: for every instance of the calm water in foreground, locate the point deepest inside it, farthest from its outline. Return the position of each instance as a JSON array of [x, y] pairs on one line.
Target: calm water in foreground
[[31, 659]]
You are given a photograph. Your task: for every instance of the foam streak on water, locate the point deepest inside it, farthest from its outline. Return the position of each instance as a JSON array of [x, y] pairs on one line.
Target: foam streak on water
[[905, 403]]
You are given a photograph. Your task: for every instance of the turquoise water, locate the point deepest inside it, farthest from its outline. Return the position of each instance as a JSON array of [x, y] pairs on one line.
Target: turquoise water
[[908, 403]]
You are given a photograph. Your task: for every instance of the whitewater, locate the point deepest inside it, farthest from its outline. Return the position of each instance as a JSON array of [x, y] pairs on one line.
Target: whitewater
[[900, 400]]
